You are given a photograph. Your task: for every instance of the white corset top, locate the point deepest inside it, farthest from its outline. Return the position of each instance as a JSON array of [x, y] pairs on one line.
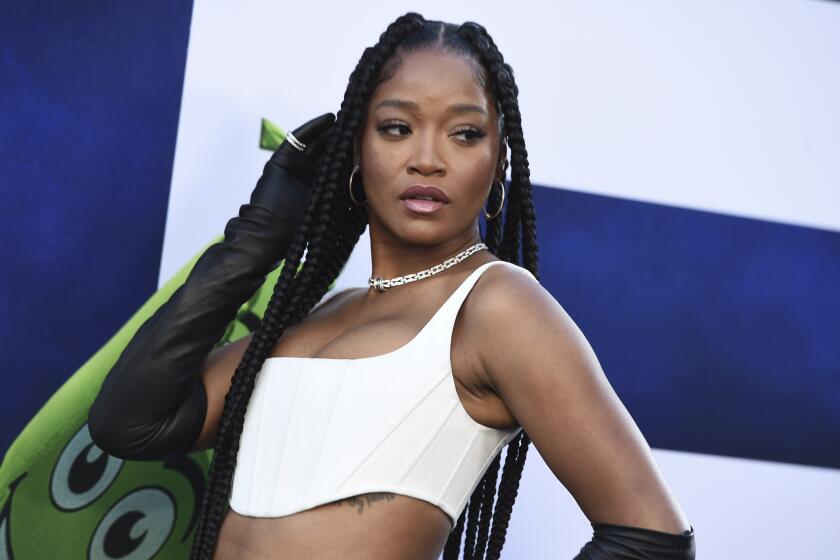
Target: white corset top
[[321, 429]]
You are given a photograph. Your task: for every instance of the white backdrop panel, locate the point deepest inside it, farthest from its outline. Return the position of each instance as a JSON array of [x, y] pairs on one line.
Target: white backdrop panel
[[722, 106]]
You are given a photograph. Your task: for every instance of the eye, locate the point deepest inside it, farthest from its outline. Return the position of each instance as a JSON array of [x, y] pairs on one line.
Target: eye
[[477, 133], [471, 134], [393, 125]]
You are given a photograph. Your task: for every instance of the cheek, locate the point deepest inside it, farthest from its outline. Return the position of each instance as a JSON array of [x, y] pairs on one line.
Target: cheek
[[480, 175], [378, 161]]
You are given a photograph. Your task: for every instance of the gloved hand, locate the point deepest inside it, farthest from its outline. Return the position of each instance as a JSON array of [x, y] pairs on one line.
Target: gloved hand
[[624, 542], [289, 173], [152, 404]]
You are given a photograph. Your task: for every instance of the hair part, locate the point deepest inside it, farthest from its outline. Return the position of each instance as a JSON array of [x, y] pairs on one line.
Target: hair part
[[330, 229]]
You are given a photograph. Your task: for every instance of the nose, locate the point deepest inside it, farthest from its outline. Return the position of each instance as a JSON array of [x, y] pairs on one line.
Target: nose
[[425, 159]]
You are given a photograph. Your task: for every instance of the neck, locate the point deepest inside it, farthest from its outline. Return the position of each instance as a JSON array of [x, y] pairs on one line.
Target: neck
[[392, 257]]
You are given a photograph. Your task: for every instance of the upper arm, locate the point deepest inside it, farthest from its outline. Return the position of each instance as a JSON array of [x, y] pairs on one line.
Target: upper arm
[[217, 373], [544, 370]]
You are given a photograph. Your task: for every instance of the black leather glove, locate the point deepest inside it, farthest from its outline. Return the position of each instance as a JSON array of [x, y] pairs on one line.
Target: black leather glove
[[152, 404], [623, 542]]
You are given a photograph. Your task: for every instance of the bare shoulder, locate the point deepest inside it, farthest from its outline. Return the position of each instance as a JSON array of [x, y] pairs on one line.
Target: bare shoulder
[[514, 315], [506, 292]]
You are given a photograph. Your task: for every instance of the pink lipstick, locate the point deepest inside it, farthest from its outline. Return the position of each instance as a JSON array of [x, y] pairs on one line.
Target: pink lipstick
[[424, 199]]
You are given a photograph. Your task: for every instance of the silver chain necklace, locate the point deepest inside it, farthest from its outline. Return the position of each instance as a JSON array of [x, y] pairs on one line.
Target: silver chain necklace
[[382, 284]]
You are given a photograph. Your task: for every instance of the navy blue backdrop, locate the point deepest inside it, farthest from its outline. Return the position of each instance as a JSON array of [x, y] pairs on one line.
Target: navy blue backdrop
[[90, 94]]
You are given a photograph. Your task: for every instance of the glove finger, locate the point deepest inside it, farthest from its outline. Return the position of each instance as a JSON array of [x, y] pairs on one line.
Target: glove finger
[[302, 163], [311, 130], [313, 134]]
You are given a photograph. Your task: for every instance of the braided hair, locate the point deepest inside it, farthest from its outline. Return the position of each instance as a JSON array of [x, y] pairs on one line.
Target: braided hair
[[330, 229]]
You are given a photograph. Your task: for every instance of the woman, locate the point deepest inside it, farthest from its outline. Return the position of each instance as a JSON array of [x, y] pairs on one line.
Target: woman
[[410, 387]]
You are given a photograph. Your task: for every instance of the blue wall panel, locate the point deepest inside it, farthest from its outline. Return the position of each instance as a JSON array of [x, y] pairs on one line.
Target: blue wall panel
[[719, 333], [90, 94]]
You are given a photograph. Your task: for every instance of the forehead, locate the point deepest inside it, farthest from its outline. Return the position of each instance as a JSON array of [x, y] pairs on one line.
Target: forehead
[[433, 80]]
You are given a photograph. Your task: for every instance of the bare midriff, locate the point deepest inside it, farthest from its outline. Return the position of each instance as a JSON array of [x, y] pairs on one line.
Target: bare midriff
[[380, 526]]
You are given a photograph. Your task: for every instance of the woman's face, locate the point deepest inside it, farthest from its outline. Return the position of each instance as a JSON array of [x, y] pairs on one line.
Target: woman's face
[[430, 124]]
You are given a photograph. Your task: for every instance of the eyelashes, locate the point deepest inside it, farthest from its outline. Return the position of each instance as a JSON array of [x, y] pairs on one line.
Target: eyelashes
[[472, 134]]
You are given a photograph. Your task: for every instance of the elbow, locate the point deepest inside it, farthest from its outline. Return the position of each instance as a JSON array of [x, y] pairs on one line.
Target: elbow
[[105, 433], [100, 432], [106, 420], [147, 438], [125, 443], [109, 434]]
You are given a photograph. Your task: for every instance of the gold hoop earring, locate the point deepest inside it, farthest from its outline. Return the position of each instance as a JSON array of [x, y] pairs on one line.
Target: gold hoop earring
[[356, 202], [488, 216]]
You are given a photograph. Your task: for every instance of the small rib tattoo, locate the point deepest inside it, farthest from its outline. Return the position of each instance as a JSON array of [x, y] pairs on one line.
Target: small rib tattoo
[[367, 499]]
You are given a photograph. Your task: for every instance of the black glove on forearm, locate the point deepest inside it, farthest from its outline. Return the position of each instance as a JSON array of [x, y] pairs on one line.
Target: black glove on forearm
[[152, 405], [623, 542]]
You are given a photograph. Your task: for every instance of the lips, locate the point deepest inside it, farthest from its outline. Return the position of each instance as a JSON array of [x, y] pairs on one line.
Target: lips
[[424, 192]]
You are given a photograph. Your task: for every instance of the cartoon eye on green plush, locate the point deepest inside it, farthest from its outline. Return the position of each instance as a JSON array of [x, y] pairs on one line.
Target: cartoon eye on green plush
[[92, 505], [82, 473], [135, 527]]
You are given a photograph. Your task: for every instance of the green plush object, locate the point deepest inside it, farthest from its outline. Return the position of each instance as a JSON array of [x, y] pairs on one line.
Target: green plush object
[[62, 497]]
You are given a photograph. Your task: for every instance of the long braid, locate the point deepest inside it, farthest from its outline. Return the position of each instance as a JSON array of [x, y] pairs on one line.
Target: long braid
[[518, 448], [280, 312], [275, 319], [519, 220], [472, 520], [507, 494], [329, 231], [487, 507]]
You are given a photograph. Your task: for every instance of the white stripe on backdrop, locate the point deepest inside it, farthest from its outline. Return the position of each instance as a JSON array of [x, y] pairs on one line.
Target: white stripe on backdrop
[[721, 106]]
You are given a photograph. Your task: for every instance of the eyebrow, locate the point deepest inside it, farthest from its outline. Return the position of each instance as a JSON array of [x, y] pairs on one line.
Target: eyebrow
[[412, 106]]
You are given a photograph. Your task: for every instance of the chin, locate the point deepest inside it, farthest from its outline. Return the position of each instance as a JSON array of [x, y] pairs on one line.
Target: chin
[[430, 239], [421, 233]]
